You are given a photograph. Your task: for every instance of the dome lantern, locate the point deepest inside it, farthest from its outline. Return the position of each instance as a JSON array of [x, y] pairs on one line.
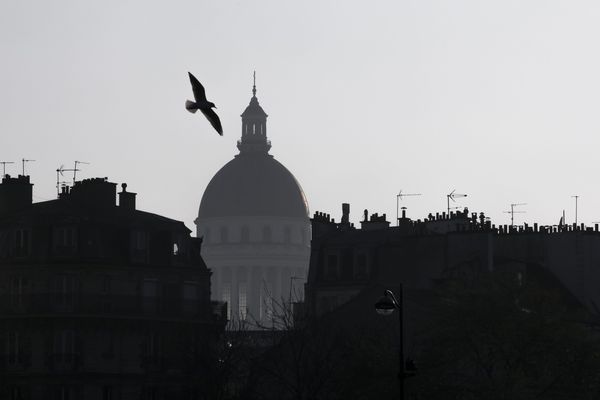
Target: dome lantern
[[254, 127]]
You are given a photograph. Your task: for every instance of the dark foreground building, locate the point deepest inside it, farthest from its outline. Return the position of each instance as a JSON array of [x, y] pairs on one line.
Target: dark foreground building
[[346, 260], [99, 301], [489, 312]]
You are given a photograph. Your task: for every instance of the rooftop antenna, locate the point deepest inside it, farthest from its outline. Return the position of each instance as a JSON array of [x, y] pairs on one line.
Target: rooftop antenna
[[399, 196], [512, 212], [4, 166], [24, 160], [75, 169], [452, 196], [576, 198], [60, 172]]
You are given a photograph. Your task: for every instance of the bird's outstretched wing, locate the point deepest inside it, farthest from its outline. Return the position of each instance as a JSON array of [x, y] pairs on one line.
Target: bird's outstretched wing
[[213, 118], [198, 89]]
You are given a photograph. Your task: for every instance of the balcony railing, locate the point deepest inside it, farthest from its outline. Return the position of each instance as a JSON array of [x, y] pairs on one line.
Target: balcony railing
[[109, 306]]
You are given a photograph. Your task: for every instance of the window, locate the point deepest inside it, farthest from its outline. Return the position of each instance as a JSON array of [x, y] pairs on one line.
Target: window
[[152, 349], [15, 393], [361, 268], [226, 297], [242, 301], [140, 240], [21, 242], [139, 246], [13, 348], [108, 344], [105, 290], [16, 287], [190, 291], [150, 393], [63, 393], [65, 288], [64, 241], [107, 393], [287, 235], [178, 245], [4, 244], [224, 234], [64, 237], [245, 234], [150, 295], [190, 297], [331, 266], [64, 346], [105, 298], [150, 288], [267, 234]]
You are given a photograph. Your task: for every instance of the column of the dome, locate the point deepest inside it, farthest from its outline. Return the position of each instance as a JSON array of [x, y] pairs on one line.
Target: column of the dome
[[257, 279]]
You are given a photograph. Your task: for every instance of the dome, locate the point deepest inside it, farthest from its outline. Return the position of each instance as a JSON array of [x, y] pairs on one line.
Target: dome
[[253, 184]]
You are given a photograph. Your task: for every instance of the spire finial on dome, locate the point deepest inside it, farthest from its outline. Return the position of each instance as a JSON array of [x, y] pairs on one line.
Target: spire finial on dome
[[254, 86]]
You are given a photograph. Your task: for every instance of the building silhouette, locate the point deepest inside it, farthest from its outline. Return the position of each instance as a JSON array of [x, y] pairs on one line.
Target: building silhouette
[[98, 300], [347, 261], [253, 217]]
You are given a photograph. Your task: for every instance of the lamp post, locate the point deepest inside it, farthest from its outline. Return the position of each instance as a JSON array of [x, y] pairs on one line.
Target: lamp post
[[386, 306]]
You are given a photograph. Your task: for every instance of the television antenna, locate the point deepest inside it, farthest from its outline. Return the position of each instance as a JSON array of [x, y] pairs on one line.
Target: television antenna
[[4, 166], [512, 212], [75, 169], [452, 196], [60, 172], [399, 196], [576, 198], [24, 160]]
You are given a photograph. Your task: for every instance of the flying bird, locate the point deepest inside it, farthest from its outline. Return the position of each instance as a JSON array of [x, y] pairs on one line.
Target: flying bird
[[203, 105]]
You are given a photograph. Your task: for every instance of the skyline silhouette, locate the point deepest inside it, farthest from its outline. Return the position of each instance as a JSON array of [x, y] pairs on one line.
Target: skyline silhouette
[[496, 101]]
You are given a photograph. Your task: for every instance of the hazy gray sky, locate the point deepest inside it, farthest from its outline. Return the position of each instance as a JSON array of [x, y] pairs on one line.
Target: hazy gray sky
[[496, 99]]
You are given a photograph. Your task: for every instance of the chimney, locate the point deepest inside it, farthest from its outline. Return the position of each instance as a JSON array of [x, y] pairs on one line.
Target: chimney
[[126, 199], [15, 193], [345, 213]]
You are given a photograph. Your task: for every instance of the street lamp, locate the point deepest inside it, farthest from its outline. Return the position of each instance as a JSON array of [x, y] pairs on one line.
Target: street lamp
[[386, 306]]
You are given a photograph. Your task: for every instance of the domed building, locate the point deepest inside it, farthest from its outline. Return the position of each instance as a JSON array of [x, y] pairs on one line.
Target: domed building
[[254, 220]]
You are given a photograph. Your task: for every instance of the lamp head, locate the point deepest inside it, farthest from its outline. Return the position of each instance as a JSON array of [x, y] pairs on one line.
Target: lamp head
[[385, 305]]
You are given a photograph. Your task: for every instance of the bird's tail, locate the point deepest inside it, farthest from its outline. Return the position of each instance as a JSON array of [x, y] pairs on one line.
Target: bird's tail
[[191, 106]]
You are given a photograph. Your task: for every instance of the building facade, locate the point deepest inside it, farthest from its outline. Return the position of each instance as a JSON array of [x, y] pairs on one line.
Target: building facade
[[253, 219], [347, 261], [97, 300]]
